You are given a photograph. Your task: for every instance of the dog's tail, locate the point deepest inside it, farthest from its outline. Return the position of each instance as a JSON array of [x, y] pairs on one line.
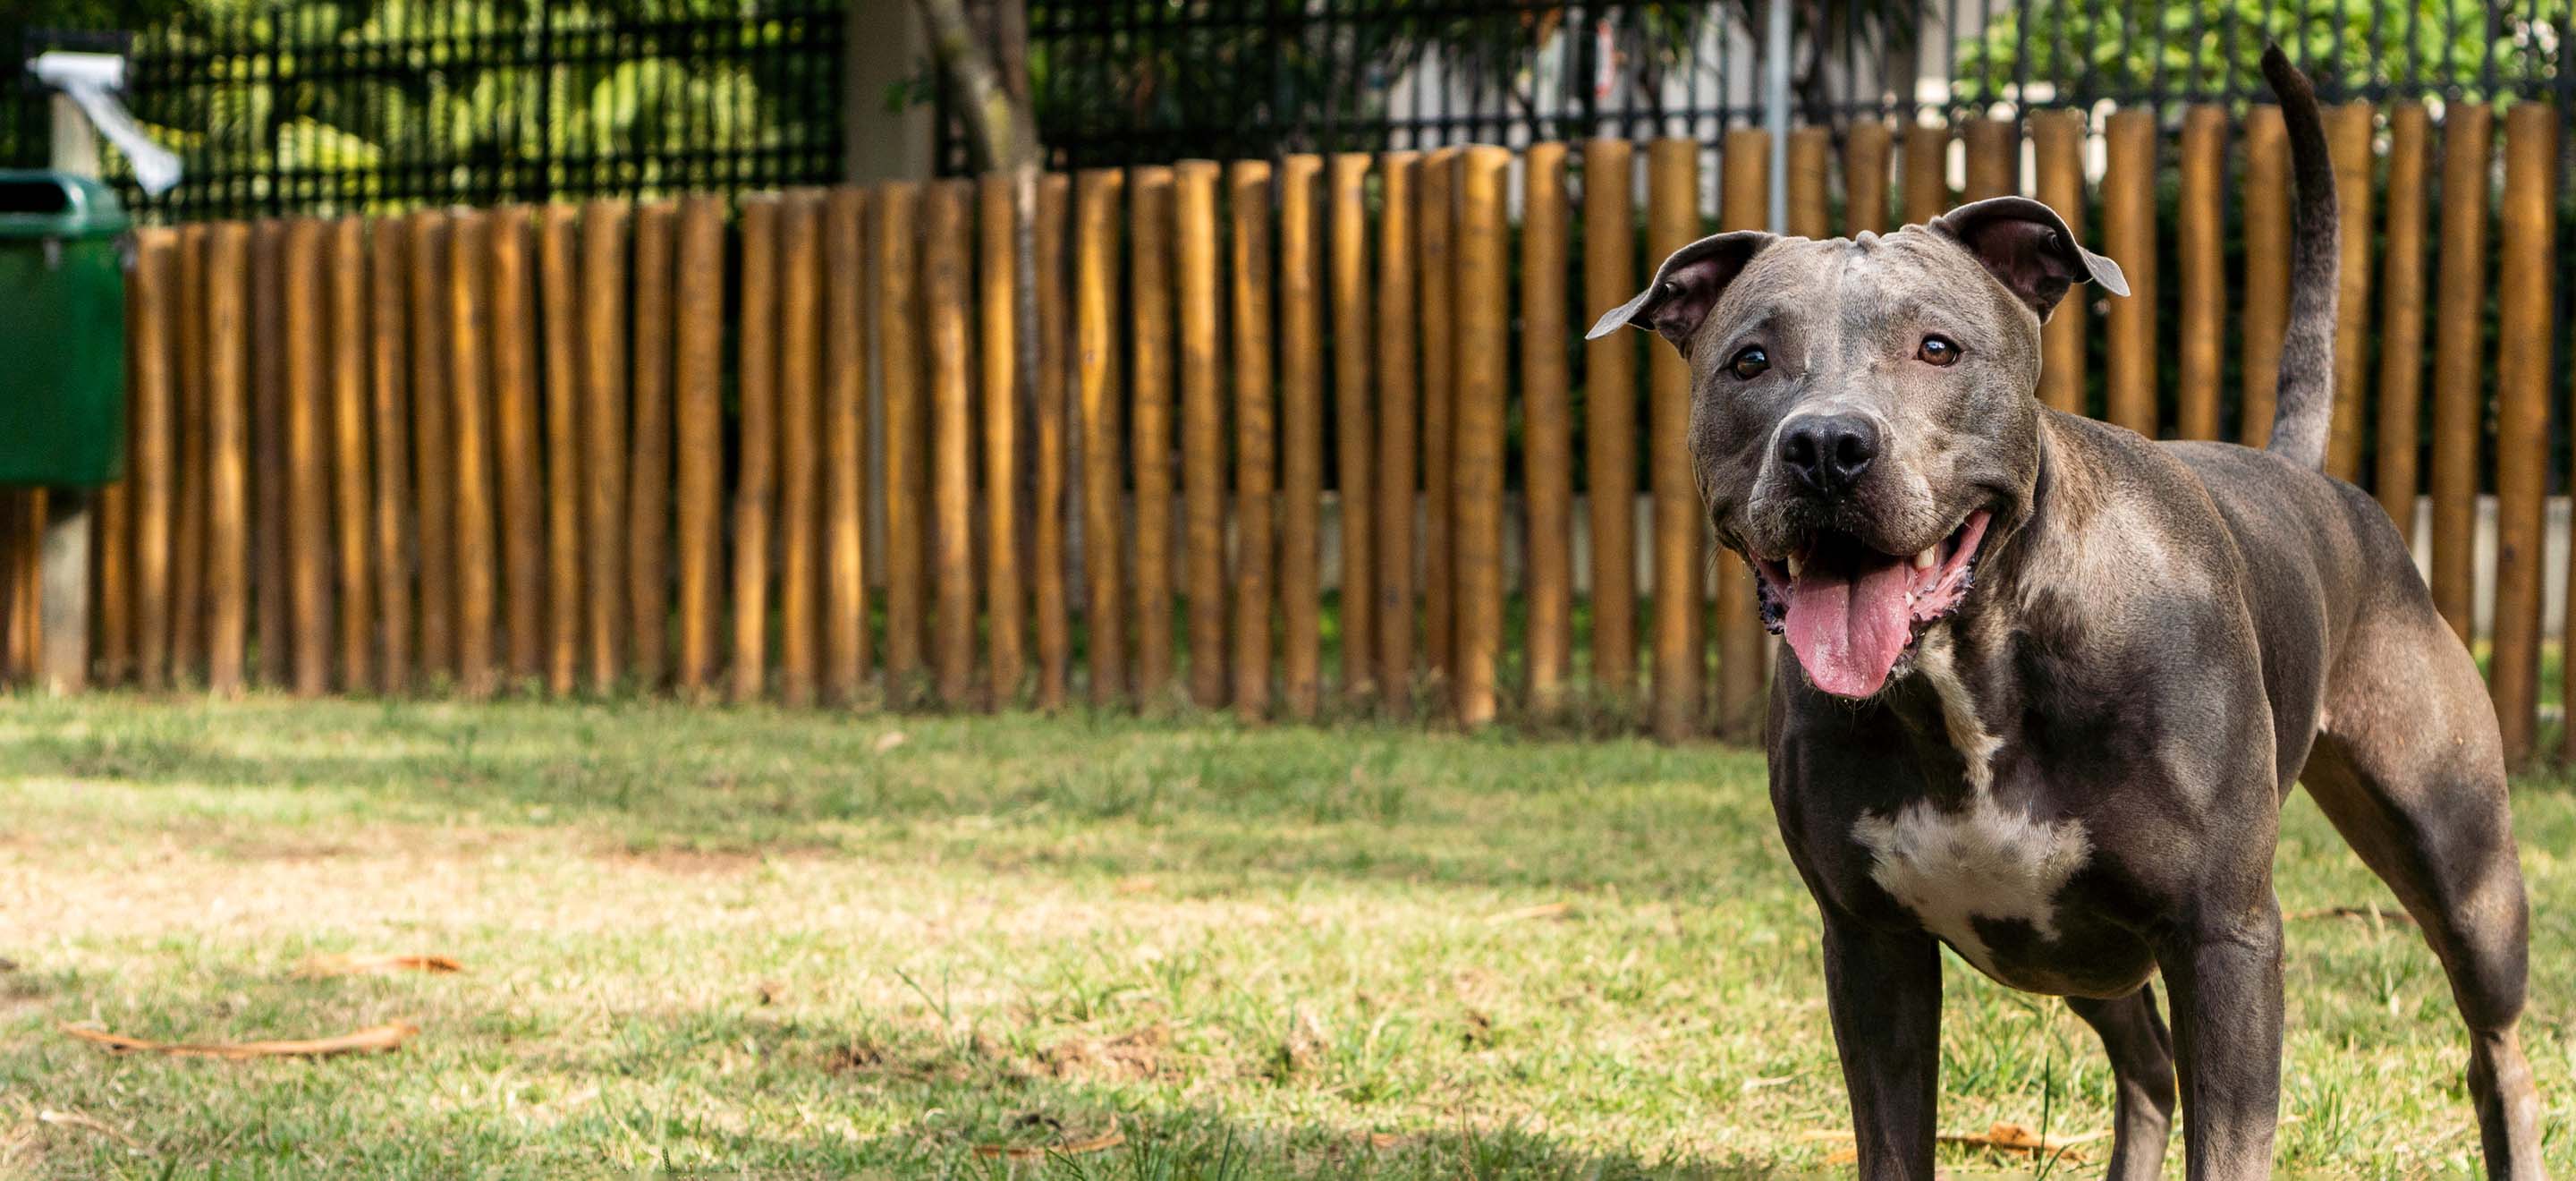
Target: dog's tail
[[2305, 409]]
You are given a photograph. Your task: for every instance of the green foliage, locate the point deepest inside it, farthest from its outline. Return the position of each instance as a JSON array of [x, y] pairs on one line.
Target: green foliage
[[477, 88], [1233, 87], [2092, 47]]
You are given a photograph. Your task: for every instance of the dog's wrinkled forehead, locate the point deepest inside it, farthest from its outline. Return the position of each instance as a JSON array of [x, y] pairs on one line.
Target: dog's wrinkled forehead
[[1852, 284], [2023, 248]]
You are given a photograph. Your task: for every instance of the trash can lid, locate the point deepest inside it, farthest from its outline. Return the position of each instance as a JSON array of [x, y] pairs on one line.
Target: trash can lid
[[35, 203]]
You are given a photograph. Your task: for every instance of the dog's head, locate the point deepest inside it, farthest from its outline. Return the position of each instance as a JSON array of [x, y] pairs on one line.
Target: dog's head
[[1863, 412]]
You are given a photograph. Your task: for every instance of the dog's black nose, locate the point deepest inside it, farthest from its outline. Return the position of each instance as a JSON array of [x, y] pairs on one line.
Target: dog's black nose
[[1828, 452]]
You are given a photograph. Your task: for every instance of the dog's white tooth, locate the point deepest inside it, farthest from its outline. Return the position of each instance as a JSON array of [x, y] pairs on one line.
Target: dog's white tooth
[[1926, 559], [1796, 565]]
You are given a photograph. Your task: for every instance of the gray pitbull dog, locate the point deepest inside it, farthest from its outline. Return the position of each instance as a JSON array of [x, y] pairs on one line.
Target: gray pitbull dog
[[2047, 683]]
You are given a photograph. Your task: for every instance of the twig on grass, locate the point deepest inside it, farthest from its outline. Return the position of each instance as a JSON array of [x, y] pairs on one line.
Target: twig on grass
[[371, 1039], [1109, 1139]]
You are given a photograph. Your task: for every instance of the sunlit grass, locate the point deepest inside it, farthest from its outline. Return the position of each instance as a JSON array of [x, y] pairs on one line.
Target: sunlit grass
[[702, 939]]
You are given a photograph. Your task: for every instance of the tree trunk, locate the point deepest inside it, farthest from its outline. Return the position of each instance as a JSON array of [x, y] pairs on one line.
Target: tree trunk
[[986, 64]]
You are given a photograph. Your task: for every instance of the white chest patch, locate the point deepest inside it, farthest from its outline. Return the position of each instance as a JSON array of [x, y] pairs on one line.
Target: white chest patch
[[1984, 860]]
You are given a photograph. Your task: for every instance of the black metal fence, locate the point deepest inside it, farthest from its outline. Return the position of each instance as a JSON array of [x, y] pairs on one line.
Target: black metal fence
[[316, 107], [1134, 81]]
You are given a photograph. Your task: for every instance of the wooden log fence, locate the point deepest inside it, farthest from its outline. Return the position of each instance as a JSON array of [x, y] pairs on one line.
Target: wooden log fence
[[1307, 437]]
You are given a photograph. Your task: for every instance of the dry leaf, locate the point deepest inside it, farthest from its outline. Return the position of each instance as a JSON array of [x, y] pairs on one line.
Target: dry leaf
[[1844, 1156], [1134, 885], [889, 740], [1544, 910], [321, 966], [372, 1038], [1102, 1142], [1778, 1080], [1381, 1139], [2012, 1137]]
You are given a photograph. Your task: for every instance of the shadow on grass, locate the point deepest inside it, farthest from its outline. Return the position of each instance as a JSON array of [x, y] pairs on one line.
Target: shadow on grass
[[1003, 1108]]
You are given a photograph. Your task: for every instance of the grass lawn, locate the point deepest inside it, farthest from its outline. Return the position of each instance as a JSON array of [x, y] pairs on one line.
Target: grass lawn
[[730, 940]]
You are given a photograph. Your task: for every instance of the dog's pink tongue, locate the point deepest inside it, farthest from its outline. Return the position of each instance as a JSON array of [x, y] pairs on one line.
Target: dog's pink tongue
[[1848, 631]]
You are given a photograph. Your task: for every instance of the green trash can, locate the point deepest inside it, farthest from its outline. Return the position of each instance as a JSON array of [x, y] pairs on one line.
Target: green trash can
[[62, 330]]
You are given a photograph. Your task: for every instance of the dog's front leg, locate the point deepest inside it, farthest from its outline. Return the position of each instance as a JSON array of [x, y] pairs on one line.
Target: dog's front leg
[[1885, 992], [2224, 972]]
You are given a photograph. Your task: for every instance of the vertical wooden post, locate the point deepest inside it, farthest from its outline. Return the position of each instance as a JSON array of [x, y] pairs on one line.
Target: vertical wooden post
[[2523, 335], [1049, 597], [1742, 656], [188, 559], [154, 462], [112, 536], [1610, 410], [697, 365], [1865, 187], [1437, 277], [1255, 423], [755, 476], [2199, 238], [603, 412], [2266, 313], [389, 389], [1927, 172], [349, 422], [893, 268], [1994, 159], [999, 397], [2057, 151], [515, 366], [1547, 427], [1149, 236], [1810, 158], [2348, 136], [1672, 222], [308, 458], [433, 471], [648, 466], [1482, 374], [268, 458], [2459, 369], [27, 616], [1396, 424], [2401, 317], [1095, 371], [228, 466], [1202, 426], [2129, 234], [1301, 414], [468, 296], [800, 422], [946, 288], [559, 272], [1354, 428], [845, 444]]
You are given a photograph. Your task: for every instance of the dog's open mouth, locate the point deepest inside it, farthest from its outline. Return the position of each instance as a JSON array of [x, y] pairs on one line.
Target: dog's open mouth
[[1851, 612]]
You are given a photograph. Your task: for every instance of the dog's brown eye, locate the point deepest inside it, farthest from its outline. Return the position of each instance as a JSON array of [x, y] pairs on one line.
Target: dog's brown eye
[[1749, 362], [1937, 350]]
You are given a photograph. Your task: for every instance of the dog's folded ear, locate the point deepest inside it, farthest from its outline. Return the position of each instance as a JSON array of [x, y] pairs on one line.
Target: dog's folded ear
[[2027, 248], [1686, 287]]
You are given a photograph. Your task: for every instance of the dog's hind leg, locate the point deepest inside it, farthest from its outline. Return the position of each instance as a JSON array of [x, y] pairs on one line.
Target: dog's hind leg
[[2409, 769], [2142, 1061]]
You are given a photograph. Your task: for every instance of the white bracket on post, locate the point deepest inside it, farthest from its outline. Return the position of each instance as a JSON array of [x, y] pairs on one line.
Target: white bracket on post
[[91, 81]]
